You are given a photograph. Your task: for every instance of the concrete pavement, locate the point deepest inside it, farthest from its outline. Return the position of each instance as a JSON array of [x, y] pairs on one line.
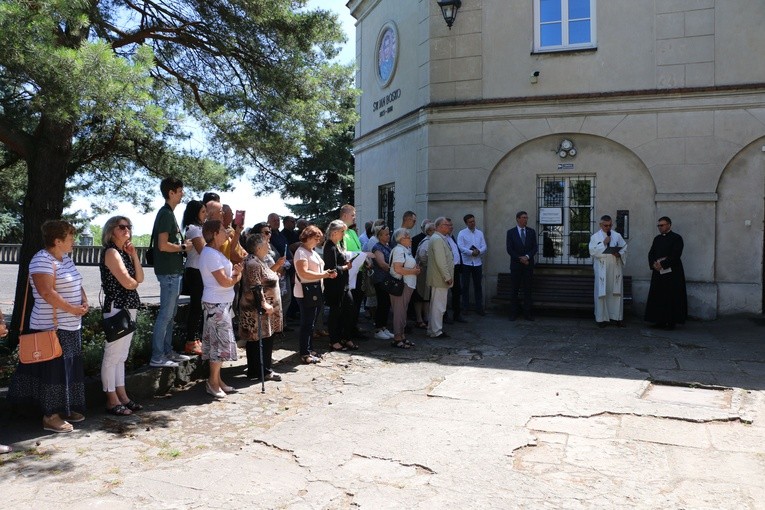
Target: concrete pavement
[[555, 413]]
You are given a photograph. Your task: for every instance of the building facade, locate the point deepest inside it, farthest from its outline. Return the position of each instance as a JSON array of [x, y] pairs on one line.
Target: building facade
[[571, 109]]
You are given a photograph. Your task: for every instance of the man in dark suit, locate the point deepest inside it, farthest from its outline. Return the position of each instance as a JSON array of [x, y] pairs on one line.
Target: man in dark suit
[[522, 248]]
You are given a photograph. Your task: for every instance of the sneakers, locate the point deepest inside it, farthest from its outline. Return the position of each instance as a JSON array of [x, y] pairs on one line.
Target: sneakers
[[383, 334], [193, 348], [174, 356], [163, 363], [54, 423]]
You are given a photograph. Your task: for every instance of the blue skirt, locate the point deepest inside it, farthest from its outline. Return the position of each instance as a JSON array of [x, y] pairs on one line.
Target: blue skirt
[[56, 386]]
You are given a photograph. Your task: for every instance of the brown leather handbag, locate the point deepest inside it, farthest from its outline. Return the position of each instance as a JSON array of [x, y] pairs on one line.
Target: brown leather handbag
[[40, 346]]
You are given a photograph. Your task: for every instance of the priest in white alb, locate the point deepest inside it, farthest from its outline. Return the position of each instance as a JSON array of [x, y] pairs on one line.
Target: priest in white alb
[[608, 251]]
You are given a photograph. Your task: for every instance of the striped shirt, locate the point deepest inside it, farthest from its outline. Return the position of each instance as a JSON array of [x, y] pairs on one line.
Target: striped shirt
[[68, 285]]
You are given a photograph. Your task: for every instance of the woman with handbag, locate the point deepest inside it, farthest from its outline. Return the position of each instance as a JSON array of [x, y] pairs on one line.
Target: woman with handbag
[[193, 218], [381, 251], [402, 267], [337, 294], [56, 386], [260, 290], [309, 268], [218, 277], [121, 273]]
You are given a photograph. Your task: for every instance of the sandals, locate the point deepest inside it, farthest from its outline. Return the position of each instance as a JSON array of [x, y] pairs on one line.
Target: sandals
[[133, 406], [310, 359], [422, 325], [400, 344], [55, 423], [350, 345], [338, 346], [407, 342], [119, 410]]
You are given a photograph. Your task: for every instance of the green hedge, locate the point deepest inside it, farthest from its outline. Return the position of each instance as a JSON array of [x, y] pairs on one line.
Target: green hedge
[[93, 340]]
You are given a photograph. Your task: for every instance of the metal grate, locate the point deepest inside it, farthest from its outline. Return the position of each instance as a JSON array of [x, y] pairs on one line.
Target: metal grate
[[566, 218], [386, 203]]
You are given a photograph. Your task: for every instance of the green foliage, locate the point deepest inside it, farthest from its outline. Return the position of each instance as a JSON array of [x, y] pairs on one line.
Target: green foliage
[[13, 184], [93, 341], [323, 178], [138, 82], [104, 98], [142, 240]]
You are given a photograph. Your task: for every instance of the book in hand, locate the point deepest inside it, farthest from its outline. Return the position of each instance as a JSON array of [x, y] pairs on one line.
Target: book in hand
[[611, 250], [664, 270]]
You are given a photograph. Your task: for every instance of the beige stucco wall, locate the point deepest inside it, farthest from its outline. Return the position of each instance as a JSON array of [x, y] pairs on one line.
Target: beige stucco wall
[[391, 158], [459, 143], [513, 187], [404, 15], [740, 212]]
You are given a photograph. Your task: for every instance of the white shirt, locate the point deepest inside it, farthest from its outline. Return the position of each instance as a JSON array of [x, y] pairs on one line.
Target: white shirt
[[402, 254], [68, 284], [211, 260], [315, 263], [467, 238], [192, 257], [455, 249]]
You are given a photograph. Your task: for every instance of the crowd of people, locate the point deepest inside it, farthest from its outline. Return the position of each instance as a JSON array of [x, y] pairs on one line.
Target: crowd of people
[[245, 283]]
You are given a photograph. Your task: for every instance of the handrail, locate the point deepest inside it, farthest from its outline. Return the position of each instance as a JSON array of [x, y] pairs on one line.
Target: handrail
[[81, 255]]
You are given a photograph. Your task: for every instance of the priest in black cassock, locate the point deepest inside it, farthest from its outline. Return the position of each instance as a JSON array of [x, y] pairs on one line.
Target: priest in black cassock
[[667, 300]]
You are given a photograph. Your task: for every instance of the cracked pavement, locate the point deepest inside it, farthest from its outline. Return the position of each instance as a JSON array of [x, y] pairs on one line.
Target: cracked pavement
[[551, 414]]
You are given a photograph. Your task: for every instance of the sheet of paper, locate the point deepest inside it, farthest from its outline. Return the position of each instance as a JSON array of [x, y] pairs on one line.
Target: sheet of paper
[[357, 263]]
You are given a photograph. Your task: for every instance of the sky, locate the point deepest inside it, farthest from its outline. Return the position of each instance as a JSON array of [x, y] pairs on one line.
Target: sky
[[242, 196]]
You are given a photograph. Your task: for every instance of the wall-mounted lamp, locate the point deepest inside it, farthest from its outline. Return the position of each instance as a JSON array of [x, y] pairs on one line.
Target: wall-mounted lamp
[[534, 77], [449, 10], [566, 148]]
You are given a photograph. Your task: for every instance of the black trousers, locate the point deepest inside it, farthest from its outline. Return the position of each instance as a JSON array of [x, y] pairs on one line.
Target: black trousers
[[308, 315], [457, 292], [520, 279], [383, 306], [340, 309], [192, 279], [253, 357]]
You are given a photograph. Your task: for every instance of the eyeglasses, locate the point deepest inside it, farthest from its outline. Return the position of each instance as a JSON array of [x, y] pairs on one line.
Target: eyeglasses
[[125, 227]]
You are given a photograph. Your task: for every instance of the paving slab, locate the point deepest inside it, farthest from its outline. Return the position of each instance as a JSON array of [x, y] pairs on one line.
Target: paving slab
[[553, 414]]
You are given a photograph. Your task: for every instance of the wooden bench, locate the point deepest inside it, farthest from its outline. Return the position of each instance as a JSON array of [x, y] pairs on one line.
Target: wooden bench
[[560, 287]]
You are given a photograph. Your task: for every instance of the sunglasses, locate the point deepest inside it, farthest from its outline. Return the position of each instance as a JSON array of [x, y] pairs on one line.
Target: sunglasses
[[125, 227]]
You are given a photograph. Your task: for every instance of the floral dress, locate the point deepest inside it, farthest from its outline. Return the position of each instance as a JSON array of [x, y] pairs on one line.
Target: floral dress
[[256, 272]]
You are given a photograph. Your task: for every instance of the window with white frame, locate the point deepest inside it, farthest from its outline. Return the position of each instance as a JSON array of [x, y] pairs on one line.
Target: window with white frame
[[565, 212], [564, 25]]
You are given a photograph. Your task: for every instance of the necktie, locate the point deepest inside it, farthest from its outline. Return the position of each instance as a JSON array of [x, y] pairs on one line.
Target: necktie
[[523, 235]]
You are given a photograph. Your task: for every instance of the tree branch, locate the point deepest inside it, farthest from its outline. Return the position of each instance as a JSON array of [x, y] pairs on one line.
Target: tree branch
[[181, 78], [16, 141]]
